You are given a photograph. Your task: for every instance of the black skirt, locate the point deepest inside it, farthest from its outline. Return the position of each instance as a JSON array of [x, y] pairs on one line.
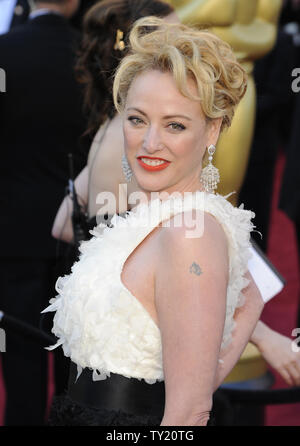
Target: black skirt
[[66, 412], [115, 401]]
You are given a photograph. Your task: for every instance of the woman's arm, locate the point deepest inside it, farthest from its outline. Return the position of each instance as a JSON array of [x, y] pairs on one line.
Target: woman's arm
[[190, 294], [246, 318], [62, 227]]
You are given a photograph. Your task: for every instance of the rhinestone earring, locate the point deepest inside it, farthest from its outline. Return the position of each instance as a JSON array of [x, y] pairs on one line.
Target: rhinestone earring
[[210, 176], [126, 169]]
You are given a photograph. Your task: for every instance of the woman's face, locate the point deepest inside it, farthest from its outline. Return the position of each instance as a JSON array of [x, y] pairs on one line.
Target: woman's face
[[165, 134]]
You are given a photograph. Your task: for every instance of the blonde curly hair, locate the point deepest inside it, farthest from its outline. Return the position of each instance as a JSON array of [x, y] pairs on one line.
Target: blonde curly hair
[[184, 52]]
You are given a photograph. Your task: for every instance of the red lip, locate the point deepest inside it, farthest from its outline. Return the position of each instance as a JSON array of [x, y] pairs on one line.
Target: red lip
[[153, 168]]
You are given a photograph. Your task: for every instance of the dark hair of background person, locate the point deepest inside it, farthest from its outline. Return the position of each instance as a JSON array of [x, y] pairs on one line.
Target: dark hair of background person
[[97, 58]]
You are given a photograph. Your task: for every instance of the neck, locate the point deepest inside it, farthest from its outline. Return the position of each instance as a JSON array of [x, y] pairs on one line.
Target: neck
[[189, 186], [50, 6]]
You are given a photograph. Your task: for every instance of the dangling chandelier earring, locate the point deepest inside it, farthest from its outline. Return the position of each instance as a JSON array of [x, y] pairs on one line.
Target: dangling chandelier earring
[[210, 176], [126, 169]]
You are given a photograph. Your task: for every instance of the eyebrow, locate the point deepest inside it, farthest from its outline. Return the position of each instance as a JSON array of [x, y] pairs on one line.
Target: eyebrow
[[164, 117]]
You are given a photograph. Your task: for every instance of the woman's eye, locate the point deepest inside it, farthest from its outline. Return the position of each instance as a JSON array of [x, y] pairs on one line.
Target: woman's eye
[[135, 120], [177, 126]]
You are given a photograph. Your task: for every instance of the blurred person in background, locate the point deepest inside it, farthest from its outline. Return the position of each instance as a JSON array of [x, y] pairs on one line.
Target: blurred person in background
[[41, 121], [16, 12]]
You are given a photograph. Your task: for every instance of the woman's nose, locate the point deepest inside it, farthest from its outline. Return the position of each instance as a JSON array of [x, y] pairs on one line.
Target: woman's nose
[[152, 141]]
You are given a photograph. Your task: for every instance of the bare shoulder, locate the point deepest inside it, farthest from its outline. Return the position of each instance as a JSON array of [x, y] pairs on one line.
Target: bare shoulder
[[109, 139], [95, 143], [114, 139], [193, 230], [180, 254]]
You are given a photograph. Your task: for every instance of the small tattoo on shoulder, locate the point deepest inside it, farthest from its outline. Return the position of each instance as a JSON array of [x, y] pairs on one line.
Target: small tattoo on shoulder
[[195, 269]]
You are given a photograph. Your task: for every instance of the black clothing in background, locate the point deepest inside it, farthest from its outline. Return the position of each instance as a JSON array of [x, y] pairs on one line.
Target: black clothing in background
[[289, 199], [21, 13], [41, 121], [25, 289], [289, 13], [289, 196], [272, 75]]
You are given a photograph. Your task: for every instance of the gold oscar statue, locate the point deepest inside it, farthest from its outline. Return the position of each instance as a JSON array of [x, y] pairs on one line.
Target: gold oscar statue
[[250, 27]]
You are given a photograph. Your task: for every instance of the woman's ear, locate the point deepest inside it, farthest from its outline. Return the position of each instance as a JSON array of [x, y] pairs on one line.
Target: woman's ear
[[214, 131]]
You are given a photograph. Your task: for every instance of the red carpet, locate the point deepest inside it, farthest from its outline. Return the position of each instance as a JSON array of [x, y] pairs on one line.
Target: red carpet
[[279, 313]]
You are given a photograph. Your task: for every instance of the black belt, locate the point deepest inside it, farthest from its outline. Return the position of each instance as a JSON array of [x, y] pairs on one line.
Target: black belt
[[117, 393]]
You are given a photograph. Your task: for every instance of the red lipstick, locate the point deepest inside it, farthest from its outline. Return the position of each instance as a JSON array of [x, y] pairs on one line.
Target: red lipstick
[[150, 168]]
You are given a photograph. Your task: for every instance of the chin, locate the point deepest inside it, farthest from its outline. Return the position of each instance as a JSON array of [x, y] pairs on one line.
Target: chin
[[154, 181], [154, 185]]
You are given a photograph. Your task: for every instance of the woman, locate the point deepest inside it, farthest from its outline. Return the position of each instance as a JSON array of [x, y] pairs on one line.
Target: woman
[[148, 312], [102, 48]]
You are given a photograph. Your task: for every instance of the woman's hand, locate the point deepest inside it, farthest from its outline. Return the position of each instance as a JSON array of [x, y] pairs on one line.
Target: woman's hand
[[277, 351]]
